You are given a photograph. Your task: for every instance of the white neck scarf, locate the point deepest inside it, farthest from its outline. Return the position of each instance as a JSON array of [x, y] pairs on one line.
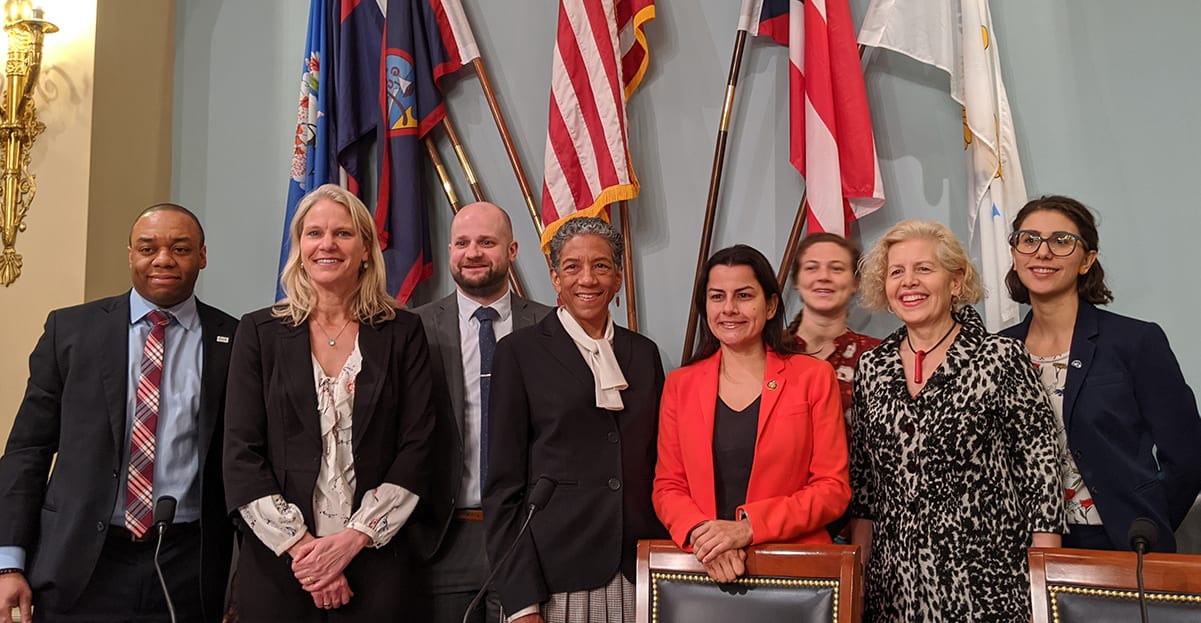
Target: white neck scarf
[[598, 354]]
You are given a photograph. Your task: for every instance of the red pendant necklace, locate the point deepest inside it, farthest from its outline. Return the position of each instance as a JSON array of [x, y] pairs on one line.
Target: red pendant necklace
[[920, 355]]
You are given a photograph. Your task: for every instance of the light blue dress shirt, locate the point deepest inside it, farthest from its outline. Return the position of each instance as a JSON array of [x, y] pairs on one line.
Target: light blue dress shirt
[[177, 445]]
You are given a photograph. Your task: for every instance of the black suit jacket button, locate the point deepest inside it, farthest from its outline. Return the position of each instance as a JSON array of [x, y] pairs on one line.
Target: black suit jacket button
[[99, 526], [116, 474], [613, 437], [614, 484]]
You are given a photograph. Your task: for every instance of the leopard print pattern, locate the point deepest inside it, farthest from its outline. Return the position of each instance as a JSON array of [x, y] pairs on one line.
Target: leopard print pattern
[[955, 479]]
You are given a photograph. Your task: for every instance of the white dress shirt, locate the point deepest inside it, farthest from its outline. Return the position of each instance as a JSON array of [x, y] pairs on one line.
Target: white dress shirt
[[469, 346]]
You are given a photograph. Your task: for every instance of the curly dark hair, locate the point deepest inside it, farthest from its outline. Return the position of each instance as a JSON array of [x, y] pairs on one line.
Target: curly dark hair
[[1091, 285]]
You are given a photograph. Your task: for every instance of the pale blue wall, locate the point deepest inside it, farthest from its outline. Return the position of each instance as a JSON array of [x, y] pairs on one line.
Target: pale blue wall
[[1105, 94]]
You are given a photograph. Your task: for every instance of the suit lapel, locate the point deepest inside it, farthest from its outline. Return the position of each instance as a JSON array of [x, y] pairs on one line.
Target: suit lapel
[[1080, 358], [115, 331], [446, 329], [375, 345], [703, 400], [772, 389], [215, 358], [296, 365], [623, 349], [563, 348]]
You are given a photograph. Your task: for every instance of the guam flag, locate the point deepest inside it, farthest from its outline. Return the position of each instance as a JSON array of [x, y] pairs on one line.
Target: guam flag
[[378, 92], [414, 56], [356, 42], [313, 162]]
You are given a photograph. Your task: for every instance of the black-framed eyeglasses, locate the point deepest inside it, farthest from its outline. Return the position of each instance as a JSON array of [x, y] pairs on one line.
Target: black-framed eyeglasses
[[1060, 243]]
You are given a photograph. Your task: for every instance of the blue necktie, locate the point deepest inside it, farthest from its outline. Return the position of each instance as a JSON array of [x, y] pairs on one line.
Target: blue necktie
[[486, 316]]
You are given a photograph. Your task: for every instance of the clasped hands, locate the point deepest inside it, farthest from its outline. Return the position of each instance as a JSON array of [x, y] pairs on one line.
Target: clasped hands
[[318, 564], [720, 546]]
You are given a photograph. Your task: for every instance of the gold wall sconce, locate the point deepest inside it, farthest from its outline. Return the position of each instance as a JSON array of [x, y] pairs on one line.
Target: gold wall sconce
[[19, 125]]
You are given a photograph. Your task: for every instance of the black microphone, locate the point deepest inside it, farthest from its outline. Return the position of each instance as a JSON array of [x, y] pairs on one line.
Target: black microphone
[[543, 490], [164, 514], [1142, 536]]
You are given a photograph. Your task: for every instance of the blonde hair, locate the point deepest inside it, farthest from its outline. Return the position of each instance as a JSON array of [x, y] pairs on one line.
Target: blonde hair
[[372, 303], [873, 268]]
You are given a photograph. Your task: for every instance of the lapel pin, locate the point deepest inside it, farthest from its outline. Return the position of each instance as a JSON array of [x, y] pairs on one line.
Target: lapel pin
[[772, 385], [222, 339], [1076, 363]]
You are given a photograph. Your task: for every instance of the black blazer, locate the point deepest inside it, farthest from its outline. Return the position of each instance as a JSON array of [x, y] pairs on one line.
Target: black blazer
[[1124, 394], [273, 432], [74, 407], [543, 421], [441, 321]]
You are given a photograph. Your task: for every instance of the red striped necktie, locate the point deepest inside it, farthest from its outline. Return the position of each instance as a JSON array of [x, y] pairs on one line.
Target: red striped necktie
[[139, 493]]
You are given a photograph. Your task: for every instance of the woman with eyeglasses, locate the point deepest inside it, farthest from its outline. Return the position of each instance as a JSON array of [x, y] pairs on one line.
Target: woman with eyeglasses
[[1128, 422]]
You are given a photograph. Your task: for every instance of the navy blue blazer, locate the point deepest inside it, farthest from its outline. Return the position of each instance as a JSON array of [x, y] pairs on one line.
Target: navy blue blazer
[[1124, 394]]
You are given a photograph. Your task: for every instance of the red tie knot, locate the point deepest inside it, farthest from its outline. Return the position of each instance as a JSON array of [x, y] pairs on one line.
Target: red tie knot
[[160, 318]]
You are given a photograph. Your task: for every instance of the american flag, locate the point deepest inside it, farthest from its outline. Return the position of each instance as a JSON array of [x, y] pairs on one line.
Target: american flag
[[830, 139], [600, 58]]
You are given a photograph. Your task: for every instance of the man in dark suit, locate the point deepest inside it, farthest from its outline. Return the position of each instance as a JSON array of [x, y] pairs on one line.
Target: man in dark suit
[[125, 398], [482, 251]]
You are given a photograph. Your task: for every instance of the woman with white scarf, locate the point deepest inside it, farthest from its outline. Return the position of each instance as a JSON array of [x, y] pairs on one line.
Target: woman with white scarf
[[574, 399]]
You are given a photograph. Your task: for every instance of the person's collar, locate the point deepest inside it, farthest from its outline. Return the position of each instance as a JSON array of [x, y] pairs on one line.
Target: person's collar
[[185, 313], [467, 306]]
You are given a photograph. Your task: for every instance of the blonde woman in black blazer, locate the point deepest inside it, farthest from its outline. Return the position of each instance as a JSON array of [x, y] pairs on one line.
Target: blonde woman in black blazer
[[327, 440]]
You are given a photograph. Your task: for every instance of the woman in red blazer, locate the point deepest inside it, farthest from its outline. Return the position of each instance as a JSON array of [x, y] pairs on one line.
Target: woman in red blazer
[[752, 445]]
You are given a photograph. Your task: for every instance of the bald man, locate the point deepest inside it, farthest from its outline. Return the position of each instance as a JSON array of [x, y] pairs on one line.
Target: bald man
[[482, 250]]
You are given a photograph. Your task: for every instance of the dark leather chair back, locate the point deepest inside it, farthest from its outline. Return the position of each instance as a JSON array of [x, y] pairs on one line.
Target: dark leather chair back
[[1093, 586], [819, 583]]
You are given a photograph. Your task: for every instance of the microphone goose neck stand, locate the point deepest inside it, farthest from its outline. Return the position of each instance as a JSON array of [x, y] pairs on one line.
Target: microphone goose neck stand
[[164, 514], [1142, 536], [543, 489]]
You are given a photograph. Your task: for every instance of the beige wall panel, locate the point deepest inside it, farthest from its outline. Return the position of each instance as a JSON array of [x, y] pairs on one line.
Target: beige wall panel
[[131, 131]]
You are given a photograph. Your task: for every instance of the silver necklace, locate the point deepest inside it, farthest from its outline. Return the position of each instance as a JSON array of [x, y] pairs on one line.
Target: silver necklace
[[333, 341]]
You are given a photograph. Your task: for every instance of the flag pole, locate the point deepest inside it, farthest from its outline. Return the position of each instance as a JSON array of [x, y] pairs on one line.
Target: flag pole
[[456, 205], [462, 155], [794, 238], [628, 260], [440, 167], [507, 139], [719, 155]]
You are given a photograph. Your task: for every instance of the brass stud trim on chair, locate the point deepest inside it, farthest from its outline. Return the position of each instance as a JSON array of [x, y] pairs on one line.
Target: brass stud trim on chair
[[657, 576], [1054, 589]]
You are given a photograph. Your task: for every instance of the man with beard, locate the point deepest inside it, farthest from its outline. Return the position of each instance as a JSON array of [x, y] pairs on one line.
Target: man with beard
[[462, 330]]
